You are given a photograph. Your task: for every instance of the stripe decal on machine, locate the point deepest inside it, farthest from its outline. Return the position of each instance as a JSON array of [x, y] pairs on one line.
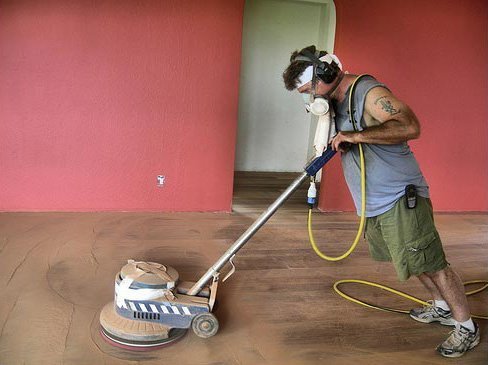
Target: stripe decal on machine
[[143, 307], [153, 308]]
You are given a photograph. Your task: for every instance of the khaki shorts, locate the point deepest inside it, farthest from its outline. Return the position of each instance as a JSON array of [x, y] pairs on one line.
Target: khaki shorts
[[408, 238]]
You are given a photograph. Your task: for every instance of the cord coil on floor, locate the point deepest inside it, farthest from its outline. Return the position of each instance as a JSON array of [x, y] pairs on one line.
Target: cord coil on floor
[[401, 294], [380, 286]]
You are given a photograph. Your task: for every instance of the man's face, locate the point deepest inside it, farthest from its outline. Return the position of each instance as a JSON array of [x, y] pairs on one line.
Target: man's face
[[321, 88], [313, 97]]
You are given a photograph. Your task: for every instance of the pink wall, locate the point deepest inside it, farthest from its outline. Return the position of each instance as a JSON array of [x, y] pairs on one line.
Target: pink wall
[[97, 98], [433, 55]]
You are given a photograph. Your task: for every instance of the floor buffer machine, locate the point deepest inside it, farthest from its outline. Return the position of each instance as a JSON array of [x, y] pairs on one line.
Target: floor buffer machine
[[153, 308]]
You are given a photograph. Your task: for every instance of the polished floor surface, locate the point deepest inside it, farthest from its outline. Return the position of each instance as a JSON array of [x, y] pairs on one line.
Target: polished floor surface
[[57, 271]]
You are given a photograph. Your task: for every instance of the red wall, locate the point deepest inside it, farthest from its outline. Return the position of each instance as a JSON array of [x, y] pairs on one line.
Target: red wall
[[434, 56], [97, 98]]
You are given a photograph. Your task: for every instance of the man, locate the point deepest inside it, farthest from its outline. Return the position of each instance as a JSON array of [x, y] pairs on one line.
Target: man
[[396, 231]]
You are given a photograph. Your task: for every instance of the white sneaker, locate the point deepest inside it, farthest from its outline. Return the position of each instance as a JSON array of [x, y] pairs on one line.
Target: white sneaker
[[429, 313], [460, 340]]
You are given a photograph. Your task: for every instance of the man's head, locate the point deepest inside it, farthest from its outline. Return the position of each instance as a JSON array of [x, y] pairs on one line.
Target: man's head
[[310, 69]]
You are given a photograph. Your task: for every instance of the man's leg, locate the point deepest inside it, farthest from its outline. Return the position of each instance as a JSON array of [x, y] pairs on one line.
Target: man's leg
[[430, 286], [451, 288], [416, 249], [439, 311], [466, 334]]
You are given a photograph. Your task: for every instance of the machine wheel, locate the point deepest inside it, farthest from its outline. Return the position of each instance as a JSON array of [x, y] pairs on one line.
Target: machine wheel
[[205, 325]]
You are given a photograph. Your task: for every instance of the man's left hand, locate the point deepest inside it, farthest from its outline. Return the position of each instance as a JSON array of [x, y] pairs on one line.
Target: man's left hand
[[342, 140]]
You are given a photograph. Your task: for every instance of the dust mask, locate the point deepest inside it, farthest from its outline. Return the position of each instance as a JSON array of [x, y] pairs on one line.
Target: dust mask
[[316, 104]]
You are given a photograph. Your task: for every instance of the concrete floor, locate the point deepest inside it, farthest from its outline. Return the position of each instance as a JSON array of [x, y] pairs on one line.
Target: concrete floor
[[57, 271]]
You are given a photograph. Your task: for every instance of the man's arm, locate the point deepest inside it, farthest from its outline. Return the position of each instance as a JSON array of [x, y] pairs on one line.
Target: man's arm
[[395, 121]]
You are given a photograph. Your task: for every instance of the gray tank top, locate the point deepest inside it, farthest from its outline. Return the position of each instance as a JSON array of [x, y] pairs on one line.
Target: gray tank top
[[389, 168]]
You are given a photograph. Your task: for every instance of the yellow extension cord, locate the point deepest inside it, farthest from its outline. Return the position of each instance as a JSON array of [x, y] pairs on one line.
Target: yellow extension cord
[[370, 283], [356, 241]]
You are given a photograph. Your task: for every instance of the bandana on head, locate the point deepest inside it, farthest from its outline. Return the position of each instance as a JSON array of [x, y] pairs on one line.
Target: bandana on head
[[307, 75]]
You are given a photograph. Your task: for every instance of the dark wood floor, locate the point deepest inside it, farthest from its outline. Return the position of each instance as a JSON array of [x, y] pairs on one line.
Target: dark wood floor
[[57, 270]]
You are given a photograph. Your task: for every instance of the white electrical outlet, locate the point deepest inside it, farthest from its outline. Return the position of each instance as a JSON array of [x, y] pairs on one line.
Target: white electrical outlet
[[160, 180]]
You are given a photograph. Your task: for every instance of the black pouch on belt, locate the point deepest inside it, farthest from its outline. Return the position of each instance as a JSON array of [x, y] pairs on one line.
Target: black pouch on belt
[[410, 196]]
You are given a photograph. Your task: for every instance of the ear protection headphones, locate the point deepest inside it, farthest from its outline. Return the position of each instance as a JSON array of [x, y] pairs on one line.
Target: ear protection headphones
[[324, 70]]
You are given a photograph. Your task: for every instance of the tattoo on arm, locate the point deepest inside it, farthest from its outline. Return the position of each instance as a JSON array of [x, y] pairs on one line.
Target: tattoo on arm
[[386, 105]]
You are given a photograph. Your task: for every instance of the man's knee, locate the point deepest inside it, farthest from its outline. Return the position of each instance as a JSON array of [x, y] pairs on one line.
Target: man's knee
[[436, 274]]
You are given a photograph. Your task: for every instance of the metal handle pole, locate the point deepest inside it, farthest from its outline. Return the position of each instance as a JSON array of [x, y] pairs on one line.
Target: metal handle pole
[[241, 241]]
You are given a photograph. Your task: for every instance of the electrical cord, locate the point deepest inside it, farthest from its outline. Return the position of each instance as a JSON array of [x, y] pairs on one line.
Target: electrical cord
[[363, 193], [361, 223], [401, 294], [369, 283]]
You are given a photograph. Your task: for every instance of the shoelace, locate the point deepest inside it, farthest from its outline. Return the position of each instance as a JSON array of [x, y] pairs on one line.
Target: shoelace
[[430, 307], [458, 337]]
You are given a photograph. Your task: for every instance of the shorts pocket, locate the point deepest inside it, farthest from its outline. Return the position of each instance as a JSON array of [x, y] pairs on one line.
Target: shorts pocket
[[423, 251]]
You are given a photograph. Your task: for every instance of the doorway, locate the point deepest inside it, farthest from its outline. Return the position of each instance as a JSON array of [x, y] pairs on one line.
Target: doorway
[[275, 133]]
